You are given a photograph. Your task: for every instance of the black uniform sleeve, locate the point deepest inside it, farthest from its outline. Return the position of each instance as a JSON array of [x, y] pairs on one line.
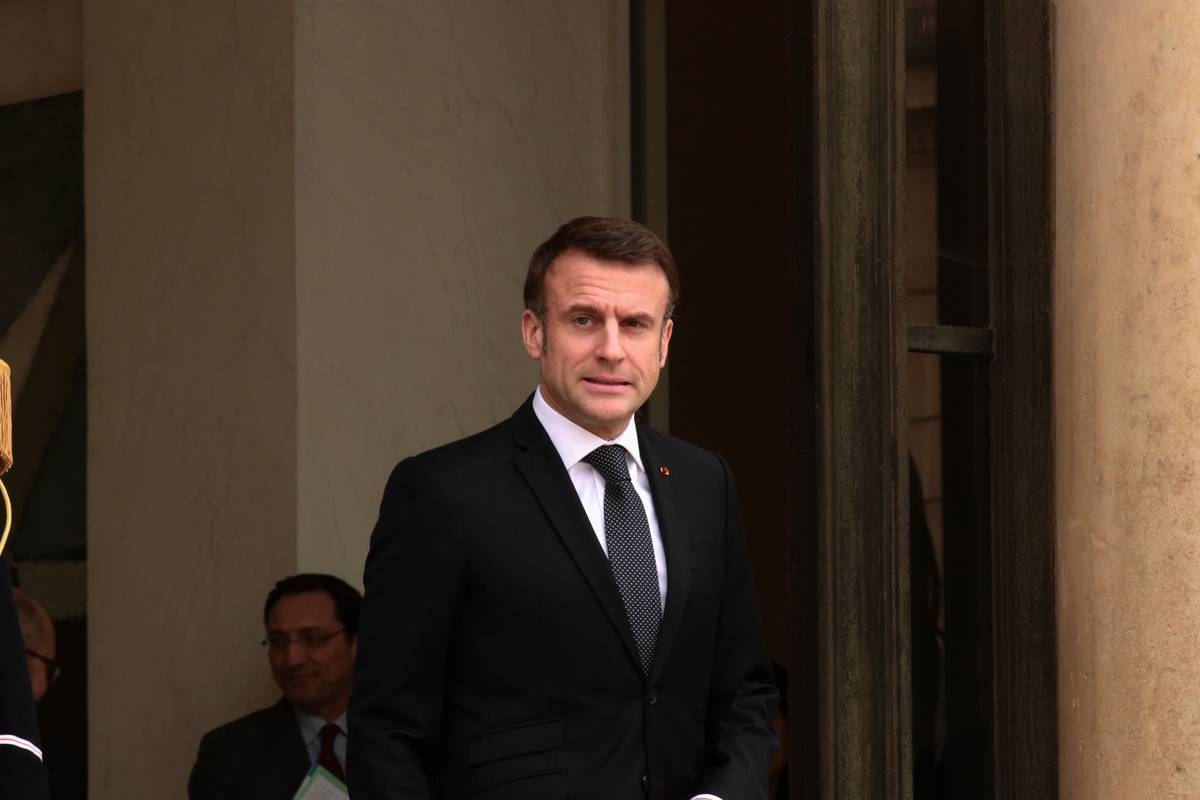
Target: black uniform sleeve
[[22, 773]]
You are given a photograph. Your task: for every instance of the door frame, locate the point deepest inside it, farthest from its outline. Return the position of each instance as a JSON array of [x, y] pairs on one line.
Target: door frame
[[860, 548]]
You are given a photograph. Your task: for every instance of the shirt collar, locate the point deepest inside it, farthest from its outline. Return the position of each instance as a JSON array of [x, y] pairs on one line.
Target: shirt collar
[[311, 725], [573, 442]]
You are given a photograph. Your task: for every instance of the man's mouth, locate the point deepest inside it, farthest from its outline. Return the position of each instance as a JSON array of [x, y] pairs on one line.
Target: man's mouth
[[614, 383], [299, 677]]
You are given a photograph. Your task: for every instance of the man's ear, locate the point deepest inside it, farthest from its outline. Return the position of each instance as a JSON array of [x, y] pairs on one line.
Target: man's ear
[[666, 341], [533, 334]]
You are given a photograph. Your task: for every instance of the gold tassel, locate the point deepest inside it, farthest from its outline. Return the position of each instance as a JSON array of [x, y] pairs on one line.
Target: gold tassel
[[6, 448]]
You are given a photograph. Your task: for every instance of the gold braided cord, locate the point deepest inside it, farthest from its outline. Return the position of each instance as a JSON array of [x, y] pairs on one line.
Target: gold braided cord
[[7, 517]]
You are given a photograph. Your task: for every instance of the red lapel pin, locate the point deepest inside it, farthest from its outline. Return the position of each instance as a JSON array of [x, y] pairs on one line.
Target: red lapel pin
[[665, 470]]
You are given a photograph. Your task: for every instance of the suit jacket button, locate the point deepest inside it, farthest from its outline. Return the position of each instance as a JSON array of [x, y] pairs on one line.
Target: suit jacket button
[[652, 697], [645, 782]]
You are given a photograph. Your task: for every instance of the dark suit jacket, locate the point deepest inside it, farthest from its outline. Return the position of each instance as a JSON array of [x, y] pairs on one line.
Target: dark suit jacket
[[495, 659], [258, 757]]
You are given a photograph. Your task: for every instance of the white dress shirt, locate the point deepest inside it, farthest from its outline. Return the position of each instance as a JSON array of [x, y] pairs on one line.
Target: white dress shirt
[[573, 443], [310, 730]]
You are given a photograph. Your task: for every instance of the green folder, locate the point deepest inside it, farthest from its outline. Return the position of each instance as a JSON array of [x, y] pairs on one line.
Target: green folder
[[320, 784]]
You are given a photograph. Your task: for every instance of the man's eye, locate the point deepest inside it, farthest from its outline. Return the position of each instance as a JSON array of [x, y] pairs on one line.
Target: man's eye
[[581, 321]]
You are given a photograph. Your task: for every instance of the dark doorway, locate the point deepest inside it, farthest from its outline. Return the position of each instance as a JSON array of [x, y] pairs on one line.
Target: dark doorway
[[722, 154], [42, 337], [857, 194]]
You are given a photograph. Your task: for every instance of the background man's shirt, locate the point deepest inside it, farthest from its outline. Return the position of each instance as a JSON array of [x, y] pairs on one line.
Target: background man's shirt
[[310, 731]]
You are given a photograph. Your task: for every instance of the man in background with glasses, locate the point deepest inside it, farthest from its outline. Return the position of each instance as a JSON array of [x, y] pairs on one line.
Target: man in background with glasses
[[312, 629], [41, 645]]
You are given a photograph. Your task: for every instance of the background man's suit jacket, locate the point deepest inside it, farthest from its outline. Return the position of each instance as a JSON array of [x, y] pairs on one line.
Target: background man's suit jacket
[[495, 658], [260, 756]]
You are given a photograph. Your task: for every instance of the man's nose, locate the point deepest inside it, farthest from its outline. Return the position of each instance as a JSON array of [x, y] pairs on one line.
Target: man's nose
[[294, 653], [611, 347]]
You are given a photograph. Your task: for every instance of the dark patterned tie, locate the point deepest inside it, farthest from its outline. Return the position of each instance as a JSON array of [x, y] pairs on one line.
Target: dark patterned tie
[[630, 551], [328, 757]]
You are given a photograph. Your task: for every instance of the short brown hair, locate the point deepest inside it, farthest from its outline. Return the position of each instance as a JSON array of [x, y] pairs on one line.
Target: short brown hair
[[604, 239], [346, 599]]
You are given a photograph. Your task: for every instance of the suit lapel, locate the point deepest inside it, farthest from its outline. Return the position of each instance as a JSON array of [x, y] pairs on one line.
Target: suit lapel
[[543, 470], [290, 756], [672, 524]]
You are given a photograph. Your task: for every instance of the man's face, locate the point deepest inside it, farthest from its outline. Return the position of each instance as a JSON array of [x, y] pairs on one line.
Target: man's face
[[603, 340], [313, 669], [37, 635]]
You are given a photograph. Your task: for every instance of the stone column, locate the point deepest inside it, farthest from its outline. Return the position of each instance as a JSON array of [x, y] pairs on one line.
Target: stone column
[[191, 345], [437, 143], [308, 225], [1127, 385]]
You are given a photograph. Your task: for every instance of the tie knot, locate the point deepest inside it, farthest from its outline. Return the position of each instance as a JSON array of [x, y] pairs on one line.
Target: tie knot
[[609, 461], [329, 733]]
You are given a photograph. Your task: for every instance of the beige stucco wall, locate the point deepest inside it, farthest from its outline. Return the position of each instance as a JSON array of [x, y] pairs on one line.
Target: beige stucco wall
[[191, 337], [307, 230], [41, 49], [1127, 384], [436, 145]]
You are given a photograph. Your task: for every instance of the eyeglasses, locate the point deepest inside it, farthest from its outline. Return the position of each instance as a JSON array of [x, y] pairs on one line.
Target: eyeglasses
[[53, 668], [309, 640]]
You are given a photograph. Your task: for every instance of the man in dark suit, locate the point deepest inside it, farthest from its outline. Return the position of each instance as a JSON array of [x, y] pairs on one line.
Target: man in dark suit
[[587, 624], [312, 631]]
